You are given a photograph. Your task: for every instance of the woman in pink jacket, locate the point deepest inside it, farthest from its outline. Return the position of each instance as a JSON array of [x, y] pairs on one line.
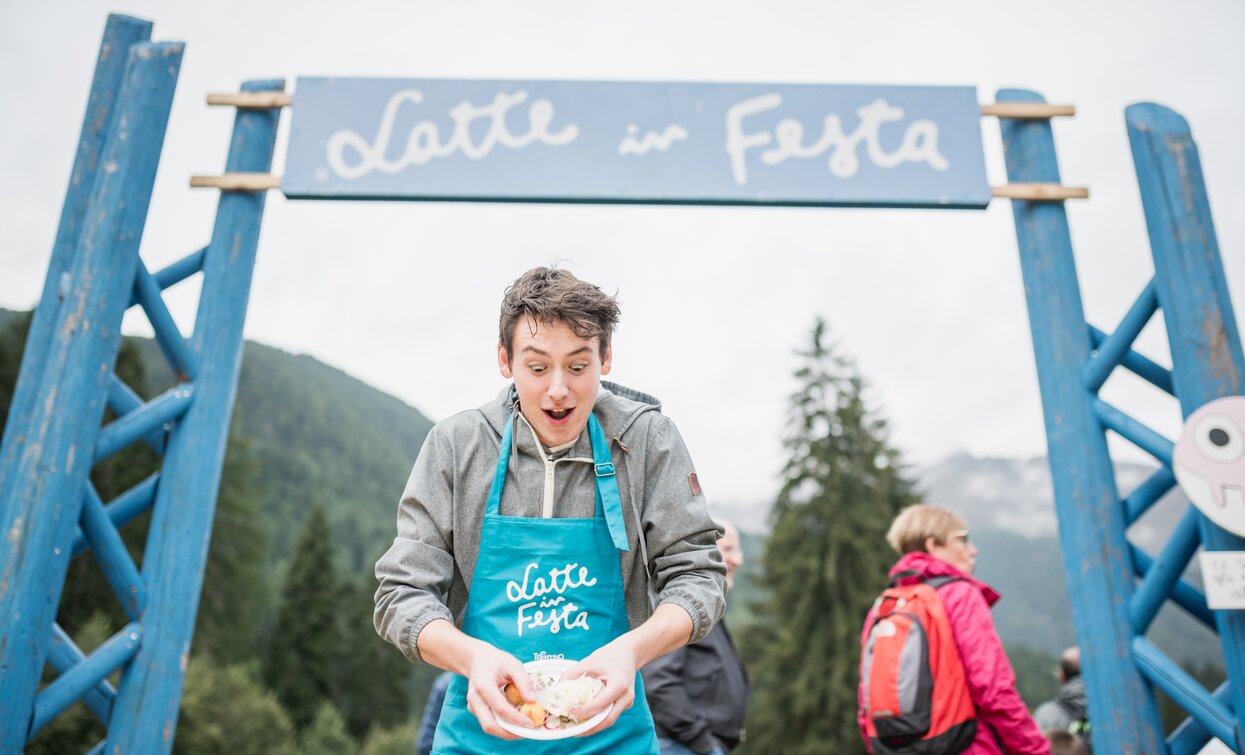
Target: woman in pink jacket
[[933, 542]]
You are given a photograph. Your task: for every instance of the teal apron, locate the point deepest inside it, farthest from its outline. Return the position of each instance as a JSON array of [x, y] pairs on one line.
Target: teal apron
[[548, 588]]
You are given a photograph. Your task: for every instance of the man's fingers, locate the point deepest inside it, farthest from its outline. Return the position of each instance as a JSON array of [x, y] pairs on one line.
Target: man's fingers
[[608, 721], [487, 715], [501, 707], [522, 681], [611, 693]]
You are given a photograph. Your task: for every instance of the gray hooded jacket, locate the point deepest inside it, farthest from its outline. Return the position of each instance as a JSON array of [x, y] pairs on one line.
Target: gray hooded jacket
[[427, 572]]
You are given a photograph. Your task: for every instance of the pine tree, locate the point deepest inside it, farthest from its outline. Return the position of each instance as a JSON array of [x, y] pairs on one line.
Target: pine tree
[[824, 563], [304, 648], [373, 680], [235, 596]]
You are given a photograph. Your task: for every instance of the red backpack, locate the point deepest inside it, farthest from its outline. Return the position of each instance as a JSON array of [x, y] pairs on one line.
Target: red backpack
[[913, 689]]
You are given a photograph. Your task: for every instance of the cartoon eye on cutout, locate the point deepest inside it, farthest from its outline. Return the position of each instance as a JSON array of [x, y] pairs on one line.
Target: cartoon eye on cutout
[[1219, 439]]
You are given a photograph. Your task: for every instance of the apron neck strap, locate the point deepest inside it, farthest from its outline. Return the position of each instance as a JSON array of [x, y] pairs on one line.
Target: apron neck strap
[[607, 497]]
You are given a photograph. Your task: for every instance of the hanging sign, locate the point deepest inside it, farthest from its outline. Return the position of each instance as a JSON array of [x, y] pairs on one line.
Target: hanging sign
[[680, 143], [1209, 462]]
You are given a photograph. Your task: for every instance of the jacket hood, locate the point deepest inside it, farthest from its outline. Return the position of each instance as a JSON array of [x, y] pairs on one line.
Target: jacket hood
[[616, 408], [929, 566], [1072, 697]]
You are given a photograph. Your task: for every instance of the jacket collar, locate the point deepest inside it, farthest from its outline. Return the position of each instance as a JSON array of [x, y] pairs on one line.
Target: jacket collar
[[928, 566]]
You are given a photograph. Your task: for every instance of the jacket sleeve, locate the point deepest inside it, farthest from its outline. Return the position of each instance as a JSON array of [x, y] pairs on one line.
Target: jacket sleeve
[[991, 681], [672, 709], [686, 567], [415, 573]]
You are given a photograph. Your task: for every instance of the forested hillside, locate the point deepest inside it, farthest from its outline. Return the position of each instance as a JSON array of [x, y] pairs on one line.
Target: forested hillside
[[285, 658]]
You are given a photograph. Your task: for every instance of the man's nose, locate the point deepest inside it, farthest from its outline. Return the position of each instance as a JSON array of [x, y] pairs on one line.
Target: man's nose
[[557, 386]]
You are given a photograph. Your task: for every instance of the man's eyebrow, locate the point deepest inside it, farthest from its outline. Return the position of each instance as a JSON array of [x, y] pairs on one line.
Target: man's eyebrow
[[543, 353]]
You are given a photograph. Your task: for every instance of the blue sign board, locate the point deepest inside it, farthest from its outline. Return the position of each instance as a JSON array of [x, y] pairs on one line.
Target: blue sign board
[[681, 143]]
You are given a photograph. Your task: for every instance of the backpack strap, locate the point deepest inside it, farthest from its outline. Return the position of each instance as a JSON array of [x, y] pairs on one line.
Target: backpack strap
[[938, 582]]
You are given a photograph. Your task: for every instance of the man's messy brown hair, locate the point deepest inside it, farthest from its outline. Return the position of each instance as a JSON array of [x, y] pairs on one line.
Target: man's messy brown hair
[[549, 295]]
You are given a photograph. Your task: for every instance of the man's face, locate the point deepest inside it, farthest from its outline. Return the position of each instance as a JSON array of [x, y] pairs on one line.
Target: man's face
[[557, 374], [732, 553]]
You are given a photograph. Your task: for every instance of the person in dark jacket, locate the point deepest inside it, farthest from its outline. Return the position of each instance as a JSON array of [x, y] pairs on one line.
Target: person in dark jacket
[[432, 713], [699, 693], [1069, 710]]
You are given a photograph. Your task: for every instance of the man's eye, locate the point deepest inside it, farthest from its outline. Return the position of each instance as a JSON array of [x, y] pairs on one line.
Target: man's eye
[[536, 368], [578, 368]]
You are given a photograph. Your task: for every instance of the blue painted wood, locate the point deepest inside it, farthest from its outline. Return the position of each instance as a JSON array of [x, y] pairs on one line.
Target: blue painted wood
[[1091, 519], [1205, 341], [142, 422], [1113, 348], [147, 292], [124, 508], [1190, 737], [1164, 573], [76, 682], [1130, 429], [181, 270], [120, 33], [145, 713], [1183, 594], [111, 554], [1148, 493], [64, 654], [649, 142], [1184, 690], [122, 400], [1143, 367], [40, 502]]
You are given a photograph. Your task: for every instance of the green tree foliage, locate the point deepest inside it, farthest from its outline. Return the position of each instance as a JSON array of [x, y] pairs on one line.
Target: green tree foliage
[[305, 645], [371, 687], [226, 711], [399, 741], [326, 735], [825, 561], [235, 599], [12, 344]]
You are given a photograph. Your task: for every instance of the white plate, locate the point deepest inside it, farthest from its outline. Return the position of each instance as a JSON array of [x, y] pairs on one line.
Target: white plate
[[554, 668]]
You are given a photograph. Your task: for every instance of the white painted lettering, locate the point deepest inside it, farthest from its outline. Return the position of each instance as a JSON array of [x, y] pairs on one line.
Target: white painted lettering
[[424, 143]]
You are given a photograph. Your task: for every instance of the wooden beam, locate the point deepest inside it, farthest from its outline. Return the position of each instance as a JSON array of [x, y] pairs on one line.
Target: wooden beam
[[1039, 192], [251, 100], [1030, 111], [237, 182]]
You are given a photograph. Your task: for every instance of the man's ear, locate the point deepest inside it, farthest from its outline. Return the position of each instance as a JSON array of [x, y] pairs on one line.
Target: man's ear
[[607, 360], [930, 544], [503, 361]]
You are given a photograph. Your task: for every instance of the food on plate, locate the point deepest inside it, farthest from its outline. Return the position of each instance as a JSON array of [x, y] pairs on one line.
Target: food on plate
[[534, 712], [555, 699]]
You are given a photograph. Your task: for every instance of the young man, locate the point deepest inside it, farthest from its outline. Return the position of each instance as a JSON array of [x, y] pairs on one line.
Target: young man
[[562, 519]]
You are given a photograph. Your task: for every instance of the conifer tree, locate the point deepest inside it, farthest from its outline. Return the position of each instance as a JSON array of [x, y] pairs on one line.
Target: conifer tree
[[824, 563], [305, 644]]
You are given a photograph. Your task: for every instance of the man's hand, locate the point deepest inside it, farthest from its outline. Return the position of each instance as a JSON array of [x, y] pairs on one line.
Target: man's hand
[[487, 670], [616, 665], [490, 670]]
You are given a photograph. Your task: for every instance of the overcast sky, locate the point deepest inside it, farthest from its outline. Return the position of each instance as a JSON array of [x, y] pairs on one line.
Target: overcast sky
[[715, 300]]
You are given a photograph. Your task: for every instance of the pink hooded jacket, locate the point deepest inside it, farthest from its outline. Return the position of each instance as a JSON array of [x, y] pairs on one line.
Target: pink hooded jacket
[[1003, 722]]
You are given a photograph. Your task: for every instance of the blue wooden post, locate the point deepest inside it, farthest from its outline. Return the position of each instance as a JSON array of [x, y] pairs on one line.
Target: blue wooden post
[[40, 502], [1091, 518], [1201, 328], [119, 34], [145, 712]]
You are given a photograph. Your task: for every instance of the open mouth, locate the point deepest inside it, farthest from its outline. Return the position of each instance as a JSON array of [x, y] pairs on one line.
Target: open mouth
[[557, 415]]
